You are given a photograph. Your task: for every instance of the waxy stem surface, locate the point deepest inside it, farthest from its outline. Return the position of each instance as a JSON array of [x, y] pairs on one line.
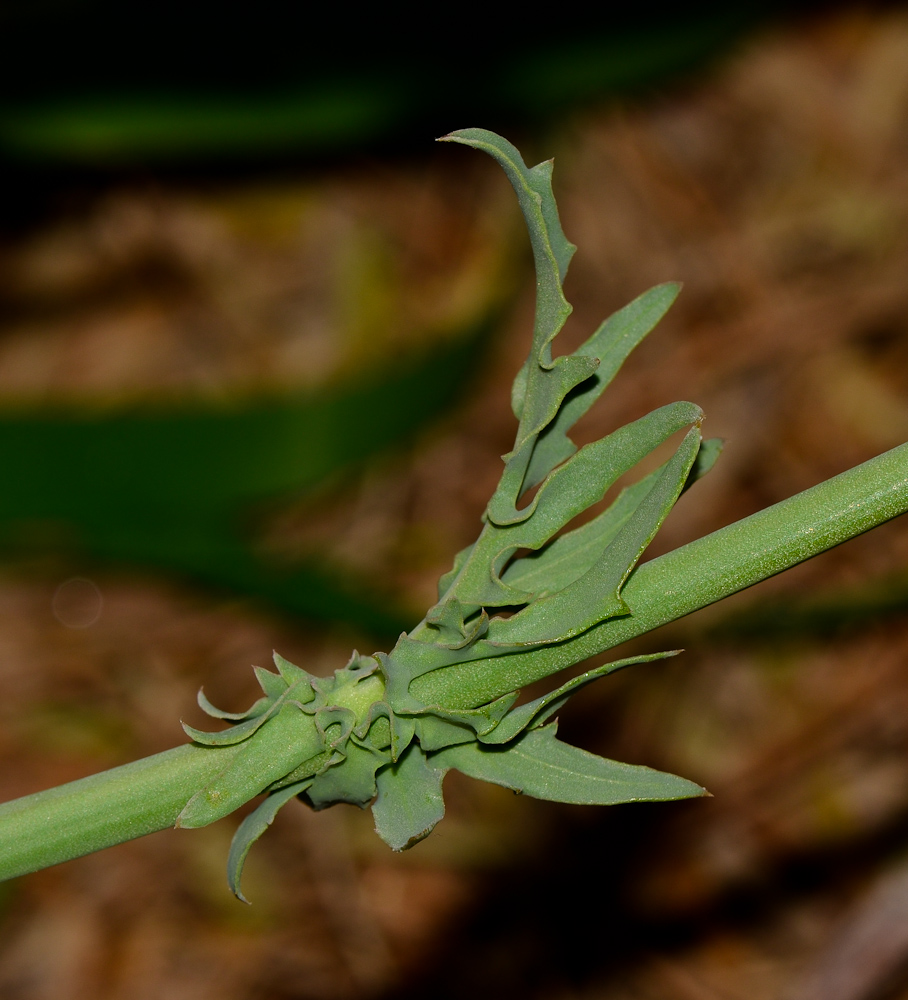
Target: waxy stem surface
[[142, 797], [702, 572], [148, 795]]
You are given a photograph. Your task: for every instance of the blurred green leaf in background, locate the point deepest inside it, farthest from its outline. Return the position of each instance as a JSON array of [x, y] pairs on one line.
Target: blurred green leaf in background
[[169, 489]]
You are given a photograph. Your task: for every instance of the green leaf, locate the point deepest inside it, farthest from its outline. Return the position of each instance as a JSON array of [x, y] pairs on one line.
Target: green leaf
[[436, 732], [610, 344], [335, 724], [252, 827], [350, 780], [540, 765], [293, 686], [257, 708], [552, 250], [595, 596], [453, 632], [543, 383], [535, 712], [567, 557], [227, 737], [547, 388], [293, 675], [164, 463], [582, 481], [445, 581], [272, 684], [707, 456], [438, 727], [383, 729], [409, 801]]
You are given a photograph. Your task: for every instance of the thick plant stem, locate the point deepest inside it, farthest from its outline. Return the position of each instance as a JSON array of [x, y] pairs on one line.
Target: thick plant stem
[[105, 809], [148, 795], [701, 573]]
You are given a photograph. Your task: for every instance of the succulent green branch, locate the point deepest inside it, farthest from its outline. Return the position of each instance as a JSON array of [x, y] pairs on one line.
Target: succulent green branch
[[532, 596]]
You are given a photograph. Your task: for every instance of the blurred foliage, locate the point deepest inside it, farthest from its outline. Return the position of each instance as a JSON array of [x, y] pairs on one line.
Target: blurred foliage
[[170, 488], [119, 83]]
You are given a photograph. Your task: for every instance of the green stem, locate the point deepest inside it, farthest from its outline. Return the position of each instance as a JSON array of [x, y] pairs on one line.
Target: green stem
[[148, 795], [700, 573], [105, 809]]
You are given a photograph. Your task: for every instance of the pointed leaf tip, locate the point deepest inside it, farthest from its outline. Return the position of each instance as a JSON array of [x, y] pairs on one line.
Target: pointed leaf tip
[[252, 827], [540, 765]]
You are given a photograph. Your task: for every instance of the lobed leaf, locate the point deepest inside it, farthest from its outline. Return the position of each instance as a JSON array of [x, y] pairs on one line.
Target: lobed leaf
[[567, 557], [595, 596], [580, 482], [350, 779], [543, 383], [546, 390], [409, 802], [434, 723], [383, 729], [610, 345], [552, 250]]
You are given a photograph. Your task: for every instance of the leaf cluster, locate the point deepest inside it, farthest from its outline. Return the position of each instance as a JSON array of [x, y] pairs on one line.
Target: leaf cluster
[[530, 581]]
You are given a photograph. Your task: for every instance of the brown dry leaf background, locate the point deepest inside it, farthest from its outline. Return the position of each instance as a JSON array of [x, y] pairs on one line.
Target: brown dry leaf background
[[776, 189]]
